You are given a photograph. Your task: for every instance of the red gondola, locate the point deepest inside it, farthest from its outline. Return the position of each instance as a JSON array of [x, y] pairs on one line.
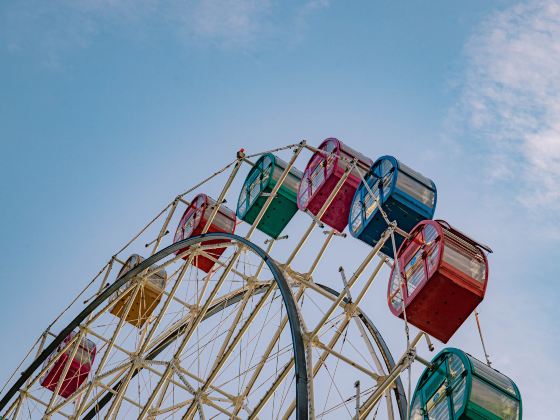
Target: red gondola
[[445, 275], [79, 368], [193, 222], [321, 175]]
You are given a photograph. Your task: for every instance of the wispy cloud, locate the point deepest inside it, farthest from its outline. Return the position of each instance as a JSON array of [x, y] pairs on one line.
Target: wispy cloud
[[511, 99], [228, 21], [56, 27]]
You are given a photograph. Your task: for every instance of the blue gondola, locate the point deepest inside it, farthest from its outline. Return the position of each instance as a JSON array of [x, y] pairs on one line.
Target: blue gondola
[[405, 195]]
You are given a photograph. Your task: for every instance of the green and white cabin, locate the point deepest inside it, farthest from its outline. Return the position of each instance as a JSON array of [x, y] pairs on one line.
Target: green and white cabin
[[461, 387], [256, 189]]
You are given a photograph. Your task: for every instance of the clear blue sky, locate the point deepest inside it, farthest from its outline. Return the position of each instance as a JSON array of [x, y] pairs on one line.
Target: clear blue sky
[[108, 109]]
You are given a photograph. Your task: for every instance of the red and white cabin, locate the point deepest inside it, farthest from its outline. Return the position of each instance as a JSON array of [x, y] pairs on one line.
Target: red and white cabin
[[444, 274], [193, 222], [323, 171], [78, 371]]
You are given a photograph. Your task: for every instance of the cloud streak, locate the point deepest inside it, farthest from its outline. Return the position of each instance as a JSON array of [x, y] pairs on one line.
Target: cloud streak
[[511, 99], [52, 29], [228, 21]]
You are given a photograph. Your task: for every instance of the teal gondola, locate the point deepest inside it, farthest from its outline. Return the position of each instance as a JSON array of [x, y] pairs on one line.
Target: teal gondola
[[460, 387], [257, 188]]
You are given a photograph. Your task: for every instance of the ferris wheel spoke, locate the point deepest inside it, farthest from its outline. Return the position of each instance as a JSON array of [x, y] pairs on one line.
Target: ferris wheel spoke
[[221, 361], [270, 392], [98, 383], [190, 330], [244, 276], [284, 394], [365, 334], [111, 343], [252, 368], [337, 303], [249, 362], [142, 347], [38, 402], [343, 400], [331, 384], [317, 343], [226, 352], [199, 380], [173, 409], [265, 356]]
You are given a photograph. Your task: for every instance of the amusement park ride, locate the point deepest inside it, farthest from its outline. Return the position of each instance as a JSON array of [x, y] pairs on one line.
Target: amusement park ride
[[210, 325]]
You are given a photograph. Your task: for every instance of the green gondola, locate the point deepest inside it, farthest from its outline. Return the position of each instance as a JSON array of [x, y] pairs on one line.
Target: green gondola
[[256, 189], [461, 387]]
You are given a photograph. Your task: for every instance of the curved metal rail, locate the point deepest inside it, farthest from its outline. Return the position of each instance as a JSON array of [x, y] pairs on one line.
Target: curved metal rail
[[400, 395], [302, 404]]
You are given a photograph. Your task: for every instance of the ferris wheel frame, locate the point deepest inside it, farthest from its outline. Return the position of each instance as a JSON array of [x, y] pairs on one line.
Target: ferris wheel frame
[[302, 403], [302, 359]]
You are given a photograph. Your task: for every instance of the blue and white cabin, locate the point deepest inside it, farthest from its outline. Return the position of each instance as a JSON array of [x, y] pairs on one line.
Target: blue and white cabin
[[405, 195]]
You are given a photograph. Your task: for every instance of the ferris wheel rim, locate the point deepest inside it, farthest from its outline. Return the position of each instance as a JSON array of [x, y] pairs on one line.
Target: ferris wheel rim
[[300, 367], [398, 391], [261, 288]]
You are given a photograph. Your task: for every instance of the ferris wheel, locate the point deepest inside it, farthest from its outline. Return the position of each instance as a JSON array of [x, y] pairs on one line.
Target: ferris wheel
[[193, 319]]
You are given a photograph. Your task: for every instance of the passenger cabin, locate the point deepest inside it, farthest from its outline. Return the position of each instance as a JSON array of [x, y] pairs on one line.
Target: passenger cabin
[[257, 188], [193, 222], [146, 299], [78, 369], [461, 387], [405, 195], [323, 171], [444, 278]]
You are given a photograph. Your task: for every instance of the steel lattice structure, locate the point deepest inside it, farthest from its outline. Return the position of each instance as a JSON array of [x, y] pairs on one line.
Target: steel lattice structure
[[256, 337]]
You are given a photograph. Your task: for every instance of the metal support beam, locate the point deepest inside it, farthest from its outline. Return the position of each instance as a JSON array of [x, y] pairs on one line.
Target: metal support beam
[[322, 211], [400, 366], [163, 229]]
